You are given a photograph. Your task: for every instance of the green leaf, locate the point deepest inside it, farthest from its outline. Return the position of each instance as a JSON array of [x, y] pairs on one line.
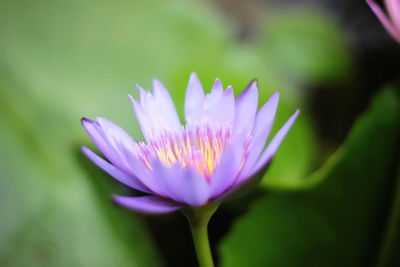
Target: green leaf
[[303, 46], [52, 212], [338, 222], [82, 58], [61, 60]]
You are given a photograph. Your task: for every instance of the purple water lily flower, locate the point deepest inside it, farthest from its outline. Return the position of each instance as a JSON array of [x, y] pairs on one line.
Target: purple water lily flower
[[391, 21], [219, 149]]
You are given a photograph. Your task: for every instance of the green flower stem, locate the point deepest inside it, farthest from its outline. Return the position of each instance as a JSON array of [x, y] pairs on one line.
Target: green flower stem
[[198, 220]]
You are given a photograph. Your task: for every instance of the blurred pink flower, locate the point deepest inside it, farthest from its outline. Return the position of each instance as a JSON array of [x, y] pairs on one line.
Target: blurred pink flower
[[391, 18]]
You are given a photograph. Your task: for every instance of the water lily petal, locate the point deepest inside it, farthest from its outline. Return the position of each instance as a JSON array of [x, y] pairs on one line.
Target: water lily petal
[[218, 108], [275, 143], [211, 101], [166, 106], [226, 173], [160, 111], [262, 127], [193, 100], [217, 89], [138, 169], [211, 157], [119, 175], [386, 22], [147, 204], [245, 111], [393, 7], [115, 135], [143, 119], [224, 113], [97, 135], [112, 141], [183, 185]]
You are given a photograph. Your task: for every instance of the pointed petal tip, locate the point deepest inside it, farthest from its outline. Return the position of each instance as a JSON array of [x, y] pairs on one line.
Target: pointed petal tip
[[87, 151], [295, 114], [160, 91], [85, 120], [140, 89], [194, 82], [133, 100], [276, 94], [193, 75], [274, 99], [290, 121], [116, 198], [120, 201], [253, 83], [217, 86], [84, 149], [156, 83], [194, 79], [229, 90], [252, 87]]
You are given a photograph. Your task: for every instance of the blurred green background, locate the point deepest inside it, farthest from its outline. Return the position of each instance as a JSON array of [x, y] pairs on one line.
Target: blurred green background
[[331, 196]]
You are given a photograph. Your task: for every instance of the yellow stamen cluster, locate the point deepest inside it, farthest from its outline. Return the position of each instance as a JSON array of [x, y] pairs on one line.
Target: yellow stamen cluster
[[199, 148]]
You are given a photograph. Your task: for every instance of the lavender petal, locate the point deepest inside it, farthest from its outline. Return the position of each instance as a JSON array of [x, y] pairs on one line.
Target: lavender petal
[[166, 106], [262, 127], [384, 20], [143, 174], [393, 7], [182, 185], [146, 204], [159, 110], [114, 134], [223, 113], [97, 135], [193, 100], [273, 146], [115, 172], [245, 111], [226, 173], [142, 118]]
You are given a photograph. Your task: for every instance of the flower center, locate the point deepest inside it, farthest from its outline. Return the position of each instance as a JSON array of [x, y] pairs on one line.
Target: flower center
[[199, 148]]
